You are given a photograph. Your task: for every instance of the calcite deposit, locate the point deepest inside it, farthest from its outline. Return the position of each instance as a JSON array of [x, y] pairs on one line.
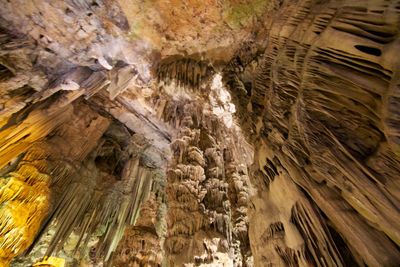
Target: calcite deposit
[[200, 133]]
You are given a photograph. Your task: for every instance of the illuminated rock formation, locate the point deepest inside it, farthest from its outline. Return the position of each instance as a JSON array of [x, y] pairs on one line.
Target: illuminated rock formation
[[207, 192], [30, 186], [200, 133]]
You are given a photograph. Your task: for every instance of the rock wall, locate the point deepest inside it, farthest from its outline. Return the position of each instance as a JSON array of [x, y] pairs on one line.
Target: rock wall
[[119, 145], [319, 104]]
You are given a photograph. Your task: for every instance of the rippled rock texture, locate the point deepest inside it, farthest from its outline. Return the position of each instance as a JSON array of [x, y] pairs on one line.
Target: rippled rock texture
[[200, 133], [320, 104]]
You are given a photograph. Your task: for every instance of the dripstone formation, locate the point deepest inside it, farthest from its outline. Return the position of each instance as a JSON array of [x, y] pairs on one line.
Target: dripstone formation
[[199, 133]]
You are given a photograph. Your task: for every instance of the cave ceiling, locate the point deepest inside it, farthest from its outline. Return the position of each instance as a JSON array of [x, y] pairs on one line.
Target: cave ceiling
[[199, 133]]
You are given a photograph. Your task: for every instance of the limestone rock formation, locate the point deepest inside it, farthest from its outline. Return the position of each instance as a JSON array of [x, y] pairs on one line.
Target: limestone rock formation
[[200, 133], [319, 102]]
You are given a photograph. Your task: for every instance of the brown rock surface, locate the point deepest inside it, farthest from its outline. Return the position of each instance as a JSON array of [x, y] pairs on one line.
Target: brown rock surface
[[316, 102], [200, 133]]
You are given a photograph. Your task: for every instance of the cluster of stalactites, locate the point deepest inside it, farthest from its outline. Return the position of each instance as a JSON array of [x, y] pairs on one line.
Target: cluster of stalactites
[[205, 181], [25, 177], [116, 182], [185, 74], [141, 244], [34, 106], [85, 206], [25, 201]]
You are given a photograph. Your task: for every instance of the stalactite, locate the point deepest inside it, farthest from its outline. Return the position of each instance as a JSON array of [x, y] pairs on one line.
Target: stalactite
[[316, 236], [187, 73], [142, 243], [16, 139], [100, 201], [291, 257], [25, 201]]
